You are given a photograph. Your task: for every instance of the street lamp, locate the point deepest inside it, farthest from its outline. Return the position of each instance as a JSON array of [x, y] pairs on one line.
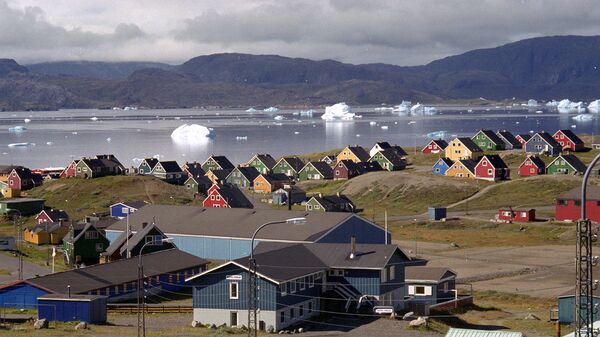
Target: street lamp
[[17, 224], [140, 286], [252, 289]]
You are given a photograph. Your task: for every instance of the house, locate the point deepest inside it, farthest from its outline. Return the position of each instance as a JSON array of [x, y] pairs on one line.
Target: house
[[225, 233], [242, 176], [84, 245], [492, 167], [462, 148], [119, 248], [264, 163], [290, 166], [441, 166], [523, 138], [354, 153], [329, 160], [315, 170], [430, 285], [347, 169], [72, 308], [543, 143], [100, 166], [217, 176], [462, 169], [566, 164], [21, 178], [226, 196], [532, 166], [389, 160], [567, 206], [566, 304], [146, 166], [380, 146], [217, 163], [46, 233], [487, 140], [569, 141], [435, 146], [518, 215], [49, 173], [71, 170], [21, 206], [120, 210], [369, 166], [193, 169], [51, 215], [299, 281], [8, 192], [165, 272], [330, 203], [293, 193], [510, 141], [267, 183], [170, 172], [7, 243], [198, 184]]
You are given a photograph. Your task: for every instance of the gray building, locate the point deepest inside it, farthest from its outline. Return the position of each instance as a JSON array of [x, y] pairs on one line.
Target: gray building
[[543, 143]]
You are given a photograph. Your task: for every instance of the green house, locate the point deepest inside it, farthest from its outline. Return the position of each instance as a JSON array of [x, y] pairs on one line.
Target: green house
[[217, 163], [84, 244], [566, 164], [389, 160], [22, 206], [242, 177], [264, 163], [315, 170], [487, 140], [290, 166], [146, 165]]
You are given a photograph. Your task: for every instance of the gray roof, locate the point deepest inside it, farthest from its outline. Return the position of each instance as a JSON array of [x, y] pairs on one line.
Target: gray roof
[[249, 172], [496, 161], [571, 135], [234, 196], [19, 200], [392, 156], [509, 138], [150, 161], [266, 159], [137, 204], [547, 138], [234, 222], [139, 236], [470, 144], [322, 167], [56, 214], [424, 273], [221, 161], [574, 161], [537, 161], [170, 166], [71, 297], [492, 136], [295, 162], [360, 152], [593, 193], [367, 256]]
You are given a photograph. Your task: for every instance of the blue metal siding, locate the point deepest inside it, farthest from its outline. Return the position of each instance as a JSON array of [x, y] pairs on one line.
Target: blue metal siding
[[364, 282], [70, 311], [436, 213], [399, 263], [364, 232], [299, 296], [440, 168], [117, 210], [21, 296], [566, 309]]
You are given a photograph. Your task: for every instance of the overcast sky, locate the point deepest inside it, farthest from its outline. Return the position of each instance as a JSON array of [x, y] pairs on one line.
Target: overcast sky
[[403, 32]]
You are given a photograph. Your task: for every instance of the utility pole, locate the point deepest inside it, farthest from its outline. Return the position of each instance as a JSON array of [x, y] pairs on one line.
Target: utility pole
[[17, 224]]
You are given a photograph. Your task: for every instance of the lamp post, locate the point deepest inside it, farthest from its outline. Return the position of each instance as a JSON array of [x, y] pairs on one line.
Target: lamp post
[[140, 288], [17, 223], [252, 288]]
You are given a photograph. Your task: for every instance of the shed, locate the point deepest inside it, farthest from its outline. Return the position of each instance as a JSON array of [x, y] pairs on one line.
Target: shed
[[436, 213], [7, 243], [519, 215], [280, 196], [72, 308], [27, 206]]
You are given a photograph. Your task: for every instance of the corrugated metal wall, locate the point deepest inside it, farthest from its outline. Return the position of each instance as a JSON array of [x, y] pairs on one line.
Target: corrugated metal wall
[[362, 229], [22, 296]]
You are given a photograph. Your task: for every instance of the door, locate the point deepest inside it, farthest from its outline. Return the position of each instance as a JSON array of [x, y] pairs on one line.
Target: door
[[233, 318]]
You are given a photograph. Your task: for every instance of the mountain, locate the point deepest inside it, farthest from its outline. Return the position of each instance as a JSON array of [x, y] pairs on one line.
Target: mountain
[[541, 68]]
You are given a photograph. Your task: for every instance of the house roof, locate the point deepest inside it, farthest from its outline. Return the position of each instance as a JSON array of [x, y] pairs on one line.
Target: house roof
[[55, 214], [85, 229], [492, 136], [547, 138], [114, 273], [424, 273], [524, 136], [202, 179], [136, 204], [292, 188], [322, 167], [220, 174], [234, 222], [469, 164], [140, 236], [367, 256], [49, 227], [332, 200], [264, 158], [447, 161], [150, 161], [439, 142], [273, 177], [296, 163], [573, 161], [194, 169], [496, 161], [170, 166], [109, 160], [6, 169], [234, 196], [454, 332], [392, 156], [329, 157], [571, 135], [221, 161], [469, 144], [359, 152], [537, 161], [592, 193], [116, 244], [508, 137], [249, 172], [25, 173], [19, 200]]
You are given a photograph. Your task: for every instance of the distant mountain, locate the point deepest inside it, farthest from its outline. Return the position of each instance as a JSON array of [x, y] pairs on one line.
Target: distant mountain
[[542, 68], [97, 70]]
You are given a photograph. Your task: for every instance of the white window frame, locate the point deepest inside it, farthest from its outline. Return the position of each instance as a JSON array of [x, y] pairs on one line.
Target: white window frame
[[233, 285], [284, 287], [292, 286], [311, 281], [392, 275]]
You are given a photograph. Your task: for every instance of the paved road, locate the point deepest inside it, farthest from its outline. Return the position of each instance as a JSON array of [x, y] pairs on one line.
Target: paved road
[[11, 264]]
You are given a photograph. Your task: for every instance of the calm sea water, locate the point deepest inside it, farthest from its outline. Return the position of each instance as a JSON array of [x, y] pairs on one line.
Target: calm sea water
[[62, 135]]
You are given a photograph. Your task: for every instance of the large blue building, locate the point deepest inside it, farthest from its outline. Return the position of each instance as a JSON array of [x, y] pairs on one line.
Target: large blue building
[[225, 234], [299, 281]]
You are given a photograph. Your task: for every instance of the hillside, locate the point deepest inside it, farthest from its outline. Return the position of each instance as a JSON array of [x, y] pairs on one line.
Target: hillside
[[97, 70]]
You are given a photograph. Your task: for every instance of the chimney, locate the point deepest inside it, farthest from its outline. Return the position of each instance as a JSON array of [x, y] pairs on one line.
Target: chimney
[[144, 224], [337, 193], [320, 195], [61, 222], [352, 247]]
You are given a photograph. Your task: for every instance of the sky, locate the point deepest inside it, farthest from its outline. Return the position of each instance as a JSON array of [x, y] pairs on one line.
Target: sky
[[402, 32]]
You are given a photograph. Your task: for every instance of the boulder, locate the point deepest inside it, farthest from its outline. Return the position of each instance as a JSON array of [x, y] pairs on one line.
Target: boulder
[[81, 326], [213, 327], [408, 316], [420, 321], [40, 324], [454, 245], [532, 317], [270, 329], [196, 324], [300, 330]]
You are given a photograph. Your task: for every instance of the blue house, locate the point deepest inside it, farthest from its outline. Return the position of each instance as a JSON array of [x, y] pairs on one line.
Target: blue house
[[146, 166], [225, 233], [543, 143], [566, 306], [22, 295], [429, 285], [72, 308], [441, 166], [120, 210], [298, 281]]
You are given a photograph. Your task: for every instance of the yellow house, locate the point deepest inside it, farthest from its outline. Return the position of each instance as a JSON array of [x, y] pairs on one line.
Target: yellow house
[[355, 153], [217, 177], [42, 234], [8, 192], [267, 183], [462, 169], [462, 148], [5, 171]]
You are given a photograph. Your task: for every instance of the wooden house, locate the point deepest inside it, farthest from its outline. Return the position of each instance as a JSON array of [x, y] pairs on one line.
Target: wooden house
[[330, 203], [84, 244], [347, 169], [523, 138], [532, 166], [435, 146], [380, 146], [150, 233], [193, 169], [242, 176], [543, 143], [267, 183], [355, 153], [121, 210], [217, 163], [146, 166], [487, 140], [464, 168], [71, 170], [170, 172], [264, 163], [566, 164], [510, 141], [389, 160], [427, 286], [51, 215], [293, 193], [226, 196], [567, 206], [46, 233], [462, 148], [22, 179], [569, 141], [329, 160], [198, 184], [315, 170], [517, 215], [217, 176], [100, 166], [290, 166], [492, 167], [441, 166]]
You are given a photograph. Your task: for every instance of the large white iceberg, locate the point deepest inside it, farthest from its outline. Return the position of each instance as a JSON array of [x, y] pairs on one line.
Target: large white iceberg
[[403, 108], [583, 117], [532, 102], [552, 104], [422, 110], [566, 106], [594, 106], [251, 110], [271, 109], [191, 134], [339, 111]]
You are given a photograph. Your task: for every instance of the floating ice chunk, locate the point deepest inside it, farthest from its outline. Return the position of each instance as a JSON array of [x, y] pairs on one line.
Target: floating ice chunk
[[177, 118], [539, 111], [49, 143], [403, 108], [271, 109], [411, 122], [295, 113], [191, 134], [383, 109], [358, 135], [308, 112], [74, 133], [241, 138], [552, 104], [594, 106], [566, 106], [583, 118], [422, 110], [20, 144], [27, 120], [296, 132], [384, 127], [339, 111], [372, 123], [251, 110], [108, 139], [437, 134], [17, 129], [532, 102], [278, 118], [470, 110], [94, 118]]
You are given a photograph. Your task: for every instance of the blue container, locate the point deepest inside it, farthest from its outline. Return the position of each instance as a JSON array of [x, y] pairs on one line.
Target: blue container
[[74, 308], [437, 213]]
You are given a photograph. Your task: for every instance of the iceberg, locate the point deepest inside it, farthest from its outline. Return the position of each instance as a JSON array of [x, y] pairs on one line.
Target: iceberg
[[271, 109], [20, 144], [278, 118], [566, 106], [403, 108], [308, 112], [583, 117], [422, 110], [594, 106], [17, 129], [383, 109], [251, 110], [437, 134], [372, 123], [191, 134], [94, 118], [27, 120], [532, 102], [339, 111], [552, 104]]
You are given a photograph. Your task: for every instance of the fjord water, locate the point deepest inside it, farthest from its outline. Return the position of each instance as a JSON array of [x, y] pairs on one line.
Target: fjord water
[[60, 136]]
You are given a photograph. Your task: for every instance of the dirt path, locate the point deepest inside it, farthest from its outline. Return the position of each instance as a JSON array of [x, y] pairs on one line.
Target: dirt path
[[148, 194]]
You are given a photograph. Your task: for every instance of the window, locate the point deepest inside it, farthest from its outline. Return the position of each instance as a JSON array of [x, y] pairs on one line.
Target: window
[[562, 202], [292, 287], [310, 307], [91, 235], [309, 207], [484, 163], [116, 290], [233, 291], [419, 290], [303, 282], [445, 287], [301, 311], [318, 276], [99, 247], [532, 170], [218, 197], [212, 197], [384, 275], [317, 207], [284, 289], [292, 313], [490, 171], [392, 273], [282, 316], [300, 284], [311, 281], [233, 318]]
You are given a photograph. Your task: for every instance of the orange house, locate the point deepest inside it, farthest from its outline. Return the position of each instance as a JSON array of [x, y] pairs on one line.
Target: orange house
[[355, 153], [217, 177], [462, 148], [267, 183], [462, 169], [48, 233]]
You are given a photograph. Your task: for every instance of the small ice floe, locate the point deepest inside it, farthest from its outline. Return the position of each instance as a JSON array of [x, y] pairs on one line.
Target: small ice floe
[[94, 118], [532, 103], [583, 117], [20, 144], [384, 127], [177, 118], [517, 122], [437, 134], [17, 129], [339, 111], [295, 113], [74, 133], [108, 139], [574, 126], [470, 110], [49, 143], [372, 123], [358, 135], [411, 122], [271, 109], [403, 108], [278, 118], [308, 112], [241, 137], [296, 132], [27, 120], [539, 111], [383, 109], [251, 110]]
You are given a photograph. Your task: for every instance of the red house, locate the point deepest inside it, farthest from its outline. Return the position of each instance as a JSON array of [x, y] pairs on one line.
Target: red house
[[226, 196], [70, 170], [518, 215], [21, 178], [491, 167], [567, 206], [347, 169], [523, 139], [569, 140], [52, 215], [435, 146], [532, 166]]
